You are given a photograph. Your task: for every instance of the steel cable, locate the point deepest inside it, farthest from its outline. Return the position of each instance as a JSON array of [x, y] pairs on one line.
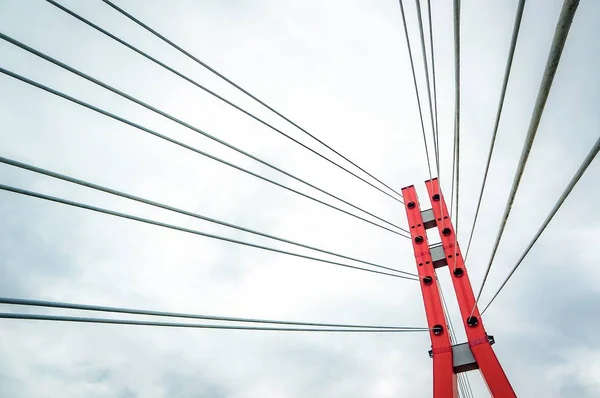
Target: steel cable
[[59, 318], [425, 65], [578, 174], [412, 66], [221, 98], [183, 145], [167, 314], [558, 42], [203, 64], [456, 155], [180, 122], [437, 134], [182, 229], [101, 188], [509, 60]]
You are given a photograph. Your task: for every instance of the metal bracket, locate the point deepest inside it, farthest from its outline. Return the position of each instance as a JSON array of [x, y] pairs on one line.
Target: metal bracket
[[463, 359], [438, 257], [428, 219]]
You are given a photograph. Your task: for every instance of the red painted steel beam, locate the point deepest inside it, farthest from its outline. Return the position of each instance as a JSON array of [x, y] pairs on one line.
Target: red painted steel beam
[[444, 378], [484, 355]]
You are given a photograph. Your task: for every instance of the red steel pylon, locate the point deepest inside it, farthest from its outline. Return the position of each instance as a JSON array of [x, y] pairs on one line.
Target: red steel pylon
[[477, 352]]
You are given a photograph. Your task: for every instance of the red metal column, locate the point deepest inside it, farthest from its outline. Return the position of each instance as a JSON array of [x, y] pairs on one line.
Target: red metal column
[[488, 363], [444, 378]]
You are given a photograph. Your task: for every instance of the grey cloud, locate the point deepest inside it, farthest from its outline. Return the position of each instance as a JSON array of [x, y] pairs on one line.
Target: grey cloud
[[341, 70]]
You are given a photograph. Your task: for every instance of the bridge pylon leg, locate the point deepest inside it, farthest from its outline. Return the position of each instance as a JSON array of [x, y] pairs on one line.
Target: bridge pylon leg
[[444, 378], [477, 352]]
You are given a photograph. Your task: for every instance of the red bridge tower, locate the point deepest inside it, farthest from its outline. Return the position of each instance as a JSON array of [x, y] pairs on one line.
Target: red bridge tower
[[477, 352]]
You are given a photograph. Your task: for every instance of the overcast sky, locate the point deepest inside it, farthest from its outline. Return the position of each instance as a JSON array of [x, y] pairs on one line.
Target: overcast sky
[[339, 69]]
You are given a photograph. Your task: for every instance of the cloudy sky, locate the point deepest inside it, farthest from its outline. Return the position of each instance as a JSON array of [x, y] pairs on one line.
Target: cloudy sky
[[339, 69]]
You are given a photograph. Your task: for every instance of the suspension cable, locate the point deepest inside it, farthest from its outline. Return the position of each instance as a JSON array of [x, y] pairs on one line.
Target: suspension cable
[[180, 122], [426, 67], [456, 146], [215, 72], [558, 42], [182, 229], [578, 174], [131, 311], [509, 60], [59, 318], [434, 125], [101, 188], [462, 385], [451, 210], [181, 144], [437, 134], [456, 156], [188, 79], [468, 385], [412, 67]]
